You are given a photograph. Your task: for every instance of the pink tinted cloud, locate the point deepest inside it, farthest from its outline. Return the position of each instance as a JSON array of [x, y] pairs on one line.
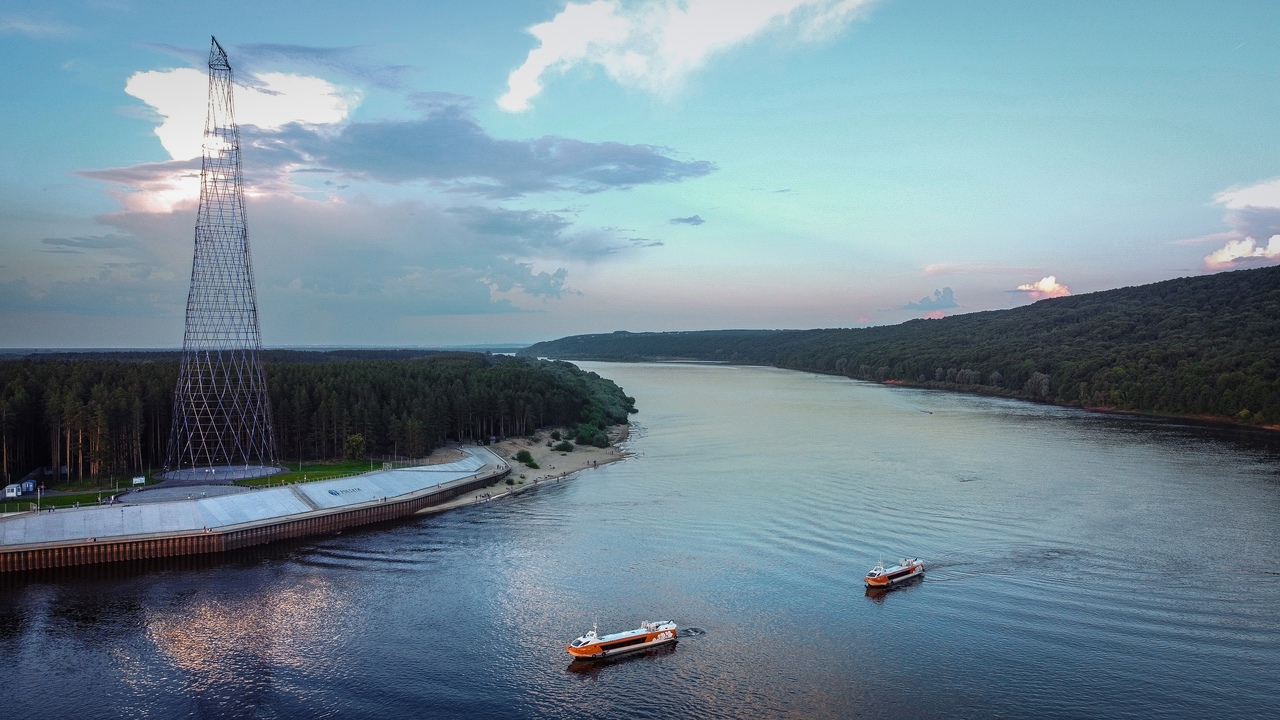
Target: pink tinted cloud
[[935, 315], [1236, 252], [1046, 287], [1253, 212]]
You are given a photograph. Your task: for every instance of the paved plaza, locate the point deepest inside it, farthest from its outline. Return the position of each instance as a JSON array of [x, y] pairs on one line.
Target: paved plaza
[[174, 510]]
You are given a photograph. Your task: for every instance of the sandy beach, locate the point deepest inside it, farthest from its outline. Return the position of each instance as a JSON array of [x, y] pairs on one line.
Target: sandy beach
[[553, 465]]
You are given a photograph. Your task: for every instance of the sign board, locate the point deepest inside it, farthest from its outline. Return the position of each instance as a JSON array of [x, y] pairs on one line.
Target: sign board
[[140, 481]]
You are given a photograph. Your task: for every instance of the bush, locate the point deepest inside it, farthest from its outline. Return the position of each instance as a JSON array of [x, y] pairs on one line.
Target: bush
[[532, 465], [524, 456], [555, 435], [564, 446], [354, 447]]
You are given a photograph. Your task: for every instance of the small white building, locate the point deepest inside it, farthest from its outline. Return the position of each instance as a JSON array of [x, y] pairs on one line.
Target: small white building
[[12, 491]]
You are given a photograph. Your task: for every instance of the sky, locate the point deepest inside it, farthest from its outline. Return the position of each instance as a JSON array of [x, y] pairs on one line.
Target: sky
[[441, 173]]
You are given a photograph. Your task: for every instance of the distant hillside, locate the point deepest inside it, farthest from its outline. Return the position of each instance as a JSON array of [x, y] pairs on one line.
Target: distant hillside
[[1206, 345]]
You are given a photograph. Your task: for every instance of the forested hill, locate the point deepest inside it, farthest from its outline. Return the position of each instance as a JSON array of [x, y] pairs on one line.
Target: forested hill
[[1206, 345], [111, 417]]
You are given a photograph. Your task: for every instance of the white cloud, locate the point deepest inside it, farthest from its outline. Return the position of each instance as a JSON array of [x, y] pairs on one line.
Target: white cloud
[[1252, 211], [1261, 195], [1047, 287], [1246, 249], [180, 97], [654, 44]]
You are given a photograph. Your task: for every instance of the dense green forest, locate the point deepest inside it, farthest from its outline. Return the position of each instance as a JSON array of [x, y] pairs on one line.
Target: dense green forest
[[108, 414], [1206, 345]]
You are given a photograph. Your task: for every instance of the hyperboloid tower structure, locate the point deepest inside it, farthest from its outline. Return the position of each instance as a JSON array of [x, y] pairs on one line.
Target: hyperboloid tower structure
[[221, 412]]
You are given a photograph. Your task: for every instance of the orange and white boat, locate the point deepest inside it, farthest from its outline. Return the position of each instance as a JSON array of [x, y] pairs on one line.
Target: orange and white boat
[[886, 577], [649, 634]]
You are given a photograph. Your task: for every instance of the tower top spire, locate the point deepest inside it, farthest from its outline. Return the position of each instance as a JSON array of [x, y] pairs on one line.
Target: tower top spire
[[217, 56]]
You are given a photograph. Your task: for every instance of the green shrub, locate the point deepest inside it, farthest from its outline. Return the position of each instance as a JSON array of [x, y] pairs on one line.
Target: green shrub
[[564, 446], [524, 456], [555, 435], [354, 447], [532, 465]]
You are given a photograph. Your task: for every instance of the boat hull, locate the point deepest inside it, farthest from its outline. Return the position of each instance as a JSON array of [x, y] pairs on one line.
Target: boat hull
[[893, 579], [612, 647]]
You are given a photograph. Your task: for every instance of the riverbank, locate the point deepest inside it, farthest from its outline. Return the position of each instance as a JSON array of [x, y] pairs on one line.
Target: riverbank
[[210, 522], [1220, 421], [553, 465]]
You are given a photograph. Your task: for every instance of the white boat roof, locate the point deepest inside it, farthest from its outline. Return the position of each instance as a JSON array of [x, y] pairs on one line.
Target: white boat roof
[[637, 631]]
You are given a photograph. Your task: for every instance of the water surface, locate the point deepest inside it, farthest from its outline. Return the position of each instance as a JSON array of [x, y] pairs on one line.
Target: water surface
[[1079, 565]]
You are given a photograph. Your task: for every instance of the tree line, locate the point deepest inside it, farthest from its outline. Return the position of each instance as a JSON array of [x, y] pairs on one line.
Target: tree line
[[1207, 345], [109, 414]]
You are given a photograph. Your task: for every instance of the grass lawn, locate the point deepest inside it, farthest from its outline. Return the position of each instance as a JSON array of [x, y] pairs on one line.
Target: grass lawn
[[26, 501], [93, 489], [312, 471]]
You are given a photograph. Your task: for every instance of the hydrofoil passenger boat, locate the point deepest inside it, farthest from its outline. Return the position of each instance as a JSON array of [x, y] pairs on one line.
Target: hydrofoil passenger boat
[[887, 577], [649, 634]]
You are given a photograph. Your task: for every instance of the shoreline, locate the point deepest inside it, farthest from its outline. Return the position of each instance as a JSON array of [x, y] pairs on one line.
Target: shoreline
[[554, 466], [258, 516], [1219, 421]]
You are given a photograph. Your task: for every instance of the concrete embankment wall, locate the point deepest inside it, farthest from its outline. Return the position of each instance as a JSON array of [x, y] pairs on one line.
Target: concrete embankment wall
[[89, 551]]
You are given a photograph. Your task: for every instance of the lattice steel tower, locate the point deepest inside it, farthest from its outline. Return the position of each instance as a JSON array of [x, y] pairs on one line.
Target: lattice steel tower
[[221, 412]]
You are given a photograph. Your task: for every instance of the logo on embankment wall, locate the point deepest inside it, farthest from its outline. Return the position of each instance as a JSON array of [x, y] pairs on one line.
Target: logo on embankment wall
[[336, 493]]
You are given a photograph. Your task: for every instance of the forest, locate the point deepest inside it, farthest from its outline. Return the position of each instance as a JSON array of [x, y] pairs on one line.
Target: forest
[[1196, 346], [108, 414]]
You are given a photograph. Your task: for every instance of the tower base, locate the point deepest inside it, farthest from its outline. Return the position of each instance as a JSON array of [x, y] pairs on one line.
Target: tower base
[[219, 475]]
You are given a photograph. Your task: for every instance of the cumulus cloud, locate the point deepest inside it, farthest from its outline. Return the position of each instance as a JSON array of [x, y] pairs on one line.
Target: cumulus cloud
[[152, 187], [691, 220], [447, 146], [180, 97], [1236, 252], [1260, 195], [1047, 287], [325, 249], [941, 300], [298, 124], [1252, 211], [654, 44], [344, 258]]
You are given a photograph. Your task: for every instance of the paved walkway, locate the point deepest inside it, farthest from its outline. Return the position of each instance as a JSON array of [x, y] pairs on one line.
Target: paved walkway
[[220, 508], [165, 493]]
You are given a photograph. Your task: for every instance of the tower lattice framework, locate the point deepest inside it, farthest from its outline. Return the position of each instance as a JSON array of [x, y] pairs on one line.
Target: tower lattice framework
[[221, 409]]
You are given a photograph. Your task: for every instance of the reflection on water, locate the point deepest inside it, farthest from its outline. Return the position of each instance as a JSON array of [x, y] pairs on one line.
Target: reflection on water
[[217, 639], [1078, 565], [591, 668]]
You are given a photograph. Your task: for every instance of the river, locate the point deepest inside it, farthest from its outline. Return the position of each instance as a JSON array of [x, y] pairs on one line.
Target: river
[[1078, 565]]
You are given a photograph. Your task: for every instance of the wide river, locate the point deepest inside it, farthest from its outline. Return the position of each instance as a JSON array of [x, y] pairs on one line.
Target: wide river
[[1079, 565]]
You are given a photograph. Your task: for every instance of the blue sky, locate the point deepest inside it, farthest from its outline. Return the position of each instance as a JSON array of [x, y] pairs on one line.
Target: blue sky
[[453, 173]]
